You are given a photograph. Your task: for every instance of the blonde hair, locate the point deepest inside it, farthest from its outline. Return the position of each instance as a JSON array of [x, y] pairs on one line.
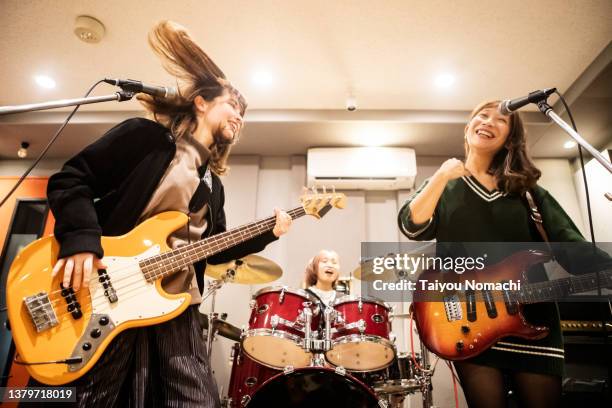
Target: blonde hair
[[198, 75]]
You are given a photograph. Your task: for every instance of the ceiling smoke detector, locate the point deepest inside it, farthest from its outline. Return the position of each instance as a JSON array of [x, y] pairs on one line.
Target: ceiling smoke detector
[[88, 29]]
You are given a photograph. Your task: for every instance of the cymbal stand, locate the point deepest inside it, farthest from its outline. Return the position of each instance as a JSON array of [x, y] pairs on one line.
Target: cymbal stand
[[426, 385], [213, 287]]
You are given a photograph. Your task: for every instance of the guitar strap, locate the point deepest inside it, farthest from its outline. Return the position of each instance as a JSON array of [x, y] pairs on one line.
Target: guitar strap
[[536, 216], [203, 192]]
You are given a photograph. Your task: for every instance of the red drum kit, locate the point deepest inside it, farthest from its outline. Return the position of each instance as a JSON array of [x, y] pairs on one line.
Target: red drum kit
[[297, 352]]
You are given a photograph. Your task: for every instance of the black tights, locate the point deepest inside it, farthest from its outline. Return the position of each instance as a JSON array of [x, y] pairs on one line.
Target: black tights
[[483, 387]]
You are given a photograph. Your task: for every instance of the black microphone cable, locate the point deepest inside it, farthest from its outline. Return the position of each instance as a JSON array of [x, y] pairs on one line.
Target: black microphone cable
[[603, 314], [584, 179], [42, 154]]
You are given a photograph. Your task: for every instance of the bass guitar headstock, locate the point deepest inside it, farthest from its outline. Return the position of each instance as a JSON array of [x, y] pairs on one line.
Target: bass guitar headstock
[[317, 203]]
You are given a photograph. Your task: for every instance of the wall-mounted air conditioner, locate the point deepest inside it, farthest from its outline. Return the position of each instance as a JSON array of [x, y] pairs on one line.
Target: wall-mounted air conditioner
[[362, 168]]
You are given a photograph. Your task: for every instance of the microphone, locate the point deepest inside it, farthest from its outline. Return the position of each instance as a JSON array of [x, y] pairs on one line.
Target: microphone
[[510, 105], [131, 85]]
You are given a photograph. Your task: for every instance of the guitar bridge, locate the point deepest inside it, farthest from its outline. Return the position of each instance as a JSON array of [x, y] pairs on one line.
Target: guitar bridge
[[452, 307], [41, 311]]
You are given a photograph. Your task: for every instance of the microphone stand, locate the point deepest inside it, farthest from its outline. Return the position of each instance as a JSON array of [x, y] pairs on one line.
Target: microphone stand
[[120, 96], [548, 111]]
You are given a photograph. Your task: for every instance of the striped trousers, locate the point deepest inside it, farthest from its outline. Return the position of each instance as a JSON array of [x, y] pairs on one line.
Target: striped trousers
[[158, 366]]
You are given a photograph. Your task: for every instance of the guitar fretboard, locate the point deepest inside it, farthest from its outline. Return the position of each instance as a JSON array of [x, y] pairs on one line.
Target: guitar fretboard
[[560, 288], [170, 262]]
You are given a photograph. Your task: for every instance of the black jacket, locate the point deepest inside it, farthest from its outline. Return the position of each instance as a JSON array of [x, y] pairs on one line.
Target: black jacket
[[104, 189]]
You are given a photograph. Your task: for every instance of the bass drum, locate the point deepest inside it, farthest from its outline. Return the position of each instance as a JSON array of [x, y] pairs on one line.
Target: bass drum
[[247, 375], [318, 387]]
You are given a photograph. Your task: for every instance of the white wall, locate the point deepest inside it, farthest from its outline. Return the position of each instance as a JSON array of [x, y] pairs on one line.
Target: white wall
[[558, 179], [600, 183]]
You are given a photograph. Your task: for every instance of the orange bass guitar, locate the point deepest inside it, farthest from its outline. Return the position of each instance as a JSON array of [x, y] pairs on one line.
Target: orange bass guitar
[[59, 334], [463, 324]]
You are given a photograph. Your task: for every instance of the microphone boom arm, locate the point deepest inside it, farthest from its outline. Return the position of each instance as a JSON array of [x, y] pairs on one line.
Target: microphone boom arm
[[548, 111], [117, 96]]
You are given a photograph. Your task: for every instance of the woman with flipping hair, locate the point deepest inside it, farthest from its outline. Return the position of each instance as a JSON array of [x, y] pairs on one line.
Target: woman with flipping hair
[[483, 200], [140, 168]]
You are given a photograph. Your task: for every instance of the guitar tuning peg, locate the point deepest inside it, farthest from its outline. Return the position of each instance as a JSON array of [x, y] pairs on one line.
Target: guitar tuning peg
[[333, 189], [324, 190], [314, 189]]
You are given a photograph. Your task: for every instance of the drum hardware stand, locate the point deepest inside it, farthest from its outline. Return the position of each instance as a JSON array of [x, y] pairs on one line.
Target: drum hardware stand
[[327, 315], [213, 287], [307, 313], [318, 360], [426, 385]]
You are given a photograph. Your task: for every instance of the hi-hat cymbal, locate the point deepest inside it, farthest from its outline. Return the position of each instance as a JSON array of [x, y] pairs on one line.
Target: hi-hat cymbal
[[223, 328], [250, 270]]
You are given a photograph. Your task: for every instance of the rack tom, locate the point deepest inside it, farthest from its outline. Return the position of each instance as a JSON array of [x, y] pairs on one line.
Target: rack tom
[[277, 327], [360, 334]]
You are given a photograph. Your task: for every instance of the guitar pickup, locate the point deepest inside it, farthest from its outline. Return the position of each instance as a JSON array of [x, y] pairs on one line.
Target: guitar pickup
[[41, 311], [109, 291], [489, 303], [74, 307], [511, 305], [470, 304]]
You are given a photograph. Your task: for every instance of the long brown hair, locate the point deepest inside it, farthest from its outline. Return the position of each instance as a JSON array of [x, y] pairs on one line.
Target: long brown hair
[[312, 269], [196, 75], [512, 167]]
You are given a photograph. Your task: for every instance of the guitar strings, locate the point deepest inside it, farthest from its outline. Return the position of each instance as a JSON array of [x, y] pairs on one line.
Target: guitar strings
[[218, 241]]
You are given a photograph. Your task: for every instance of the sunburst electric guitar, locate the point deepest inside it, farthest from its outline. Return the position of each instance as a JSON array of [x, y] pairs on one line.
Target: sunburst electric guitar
[[60, 334], [464, 323]]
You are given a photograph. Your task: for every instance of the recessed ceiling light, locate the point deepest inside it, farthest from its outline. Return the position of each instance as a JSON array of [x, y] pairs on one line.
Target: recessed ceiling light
[[444, 80], [569, 144], [44, 81], [263, 78], [22, 153]]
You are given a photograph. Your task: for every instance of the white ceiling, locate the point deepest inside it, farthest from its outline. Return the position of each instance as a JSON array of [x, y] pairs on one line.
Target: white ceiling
[[386, 53]]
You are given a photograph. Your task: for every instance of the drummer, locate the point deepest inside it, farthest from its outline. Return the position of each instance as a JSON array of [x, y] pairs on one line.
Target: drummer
[[321, 275]]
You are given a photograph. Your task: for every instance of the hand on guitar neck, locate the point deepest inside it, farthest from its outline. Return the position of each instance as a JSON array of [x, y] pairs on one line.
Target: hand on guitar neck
[[79, 268]]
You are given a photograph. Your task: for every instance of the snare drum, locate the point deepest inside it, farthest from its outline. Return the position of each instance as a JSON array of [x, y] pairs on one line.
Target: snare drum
[[277, 327], [400, 377], [360, 338]]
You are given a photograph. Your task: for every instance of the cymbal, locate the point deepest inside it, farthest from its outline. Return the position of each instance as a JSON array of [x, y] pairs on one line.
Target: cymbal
[[250, 270], [223, 328], [365, 272]]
